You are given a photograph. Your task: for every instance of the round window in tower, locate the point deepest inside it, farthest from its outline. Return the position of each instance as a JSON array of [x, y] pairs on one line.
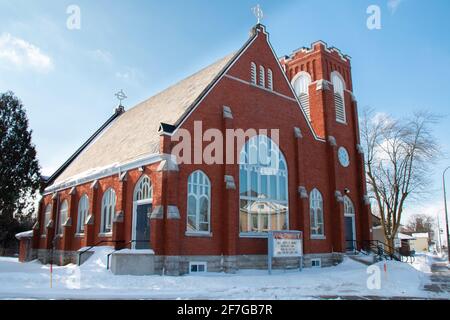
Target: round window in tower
[[344, 158]]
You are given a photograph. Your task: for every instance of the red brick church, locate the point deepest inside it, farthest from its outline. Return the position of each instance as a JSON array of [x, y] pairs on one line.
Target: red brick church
[[126, 188]]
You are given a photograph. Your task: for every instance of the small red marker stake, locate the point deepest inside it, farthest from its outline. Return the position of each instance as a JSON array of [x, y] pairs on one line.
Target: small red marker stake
[[51, 275]]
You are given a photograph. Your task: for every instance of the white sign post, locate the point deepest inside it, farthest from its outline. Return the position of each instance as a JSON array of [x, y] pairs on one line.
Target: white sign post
[[285, 244]]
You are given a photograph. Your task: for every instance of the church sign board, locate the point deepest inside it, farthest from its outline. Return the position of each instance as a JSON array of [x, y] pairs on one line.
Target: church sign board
[[285, 244]]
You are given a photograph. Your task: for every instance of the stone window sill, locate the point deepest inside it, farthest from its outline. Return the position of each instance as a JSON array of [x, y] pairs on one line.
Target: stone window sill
[[254, 235], [79, 235], [105, 235], [318, 238], [199, 234]]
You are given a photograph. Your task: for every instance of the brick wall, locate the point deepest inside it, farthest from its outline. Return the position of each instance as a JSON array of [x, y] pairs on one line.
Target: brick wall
[[311, 161]]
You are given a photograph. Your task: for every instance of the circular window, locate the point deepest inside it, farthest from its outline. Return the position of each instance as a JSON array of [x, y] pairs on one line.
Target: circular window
[[344, 158]]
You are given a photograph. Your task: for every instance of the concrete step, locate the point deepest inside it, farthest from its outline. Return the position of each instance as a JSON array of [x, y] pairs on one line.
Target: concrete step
[[366, 260]]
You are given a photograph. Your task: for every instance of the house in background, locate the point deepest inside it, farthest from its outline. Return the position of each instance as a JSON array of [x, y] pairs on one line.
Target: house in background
[[420, 242]]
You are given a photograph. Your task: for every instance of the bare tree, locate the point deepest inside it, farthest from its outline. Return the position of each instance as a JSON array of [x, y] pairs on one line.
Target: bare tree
[[398, 155], [421, 223]]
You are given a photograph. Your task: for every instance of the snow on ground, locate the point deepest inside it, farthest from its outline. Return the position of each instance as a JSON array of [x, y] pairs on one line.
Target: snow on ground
[[93, 281], [423, 262]]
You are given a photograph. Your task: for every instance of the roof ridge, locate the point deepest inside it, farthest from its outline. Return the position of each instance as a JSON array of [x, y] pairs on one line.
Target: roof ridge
[[175, 84]]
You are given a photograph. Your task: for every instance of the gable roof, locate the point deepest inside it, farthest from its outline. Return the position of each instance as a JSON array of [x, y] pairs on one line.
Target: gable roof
[[133, 137], [135, 133]]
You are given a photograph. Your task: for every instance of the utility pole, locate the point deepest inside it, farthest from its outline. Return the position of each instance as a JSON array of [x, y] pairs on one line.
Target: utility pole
[[439, 234], [446, 213]]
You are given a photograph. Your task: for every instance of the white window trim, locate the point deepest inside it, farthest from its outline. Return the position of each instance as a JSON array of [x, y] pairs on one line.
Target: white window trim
[[253, 74], [299, 94], [316, 236], [349, 203], [269, 79], [103, 230], [316, 260], [198, 263], [60, 224], [301, 74], [136, 203], [198, 197], [262, 77], [49, 214], [336, 74], [248, 167], [81, 222]]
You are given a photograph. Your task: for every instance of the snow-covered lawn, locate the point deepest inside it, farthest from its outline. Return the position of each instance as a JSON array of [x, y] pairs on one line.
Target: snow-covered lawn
[[93, 281]]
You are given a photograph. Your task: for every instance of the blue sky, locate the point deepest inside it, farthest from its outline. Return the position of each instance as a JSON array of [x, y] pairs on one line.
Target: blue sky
[[67, 78]]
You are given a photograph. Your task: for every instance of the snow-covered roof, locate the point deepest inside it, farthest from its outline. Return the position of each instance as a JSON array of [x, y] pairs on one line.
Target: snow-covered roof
[[23, 235], [135, 133], [403, 236], [420, 235]]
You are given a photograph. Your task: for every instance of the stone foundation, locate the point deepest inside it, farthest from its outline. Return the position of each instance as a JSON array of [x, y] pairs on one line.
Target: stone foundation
[[129, 262], [60, 258], [133, 263]]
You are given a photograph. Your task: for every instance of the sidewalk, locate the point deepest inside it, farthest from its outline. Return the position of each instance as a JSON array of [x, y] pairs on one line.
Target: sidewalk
[[440, 278]]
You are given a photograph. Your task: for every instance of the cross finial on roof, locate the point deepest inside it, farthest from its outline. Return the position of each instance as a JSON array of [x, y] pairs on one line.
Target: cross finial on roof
[[259, 14], [120, 96]]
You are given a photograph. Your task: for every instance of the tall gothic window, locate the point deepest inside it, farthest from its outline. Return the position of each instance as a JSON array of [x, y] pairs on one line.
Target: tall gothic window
[[108, 210], [262, 76], [83, 209], [316, 213], [199, 203], [144, 190], [62, 217], [339, 102], [301, 84], [269, 79], [349, 209], [263, 187], [253, 73], [47, 217]]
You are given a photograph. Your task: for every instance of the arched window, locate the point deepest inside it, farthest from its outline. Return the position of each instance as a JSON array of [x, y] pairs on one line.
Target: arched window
[[262, 76], [301, 84], [263, 187], [47, 217], [349, 209], [269, 79], [253, 73], [199, 203], [316, 213], [144, 189], [83, 209], [339, 87], [108, 210], [62, 217]]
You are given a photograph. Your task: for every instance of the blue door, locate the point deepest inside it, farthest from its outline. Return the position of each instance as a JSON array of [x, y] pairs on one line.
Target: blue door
[[142, 232]]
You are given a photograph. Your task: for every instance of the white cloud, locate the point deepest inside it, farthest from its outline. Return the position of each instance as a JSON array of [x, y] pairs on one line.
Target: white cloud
[[393, 5], [103, 56], [129, 74], [21, 54]]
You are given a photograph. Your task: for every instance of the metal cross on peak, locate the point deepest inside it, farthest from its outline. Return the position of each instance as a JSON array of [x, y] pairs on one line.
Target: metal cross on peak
[[259, 14], [120, 96]]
